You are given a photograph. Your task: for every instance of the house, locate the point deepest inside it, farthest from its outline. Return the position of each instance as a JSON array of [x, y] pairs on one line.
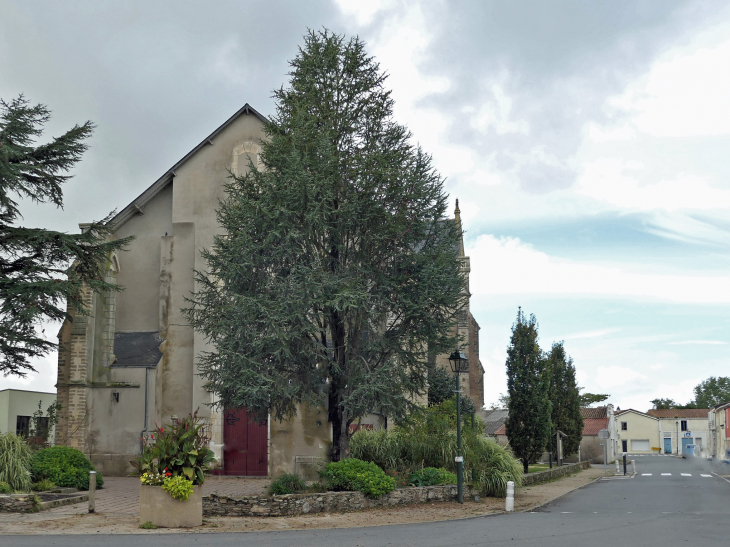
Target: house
[[493, 421], [718, 419], [591, 446], [637, 432], [132, 362], [679, 427], [17, 407]]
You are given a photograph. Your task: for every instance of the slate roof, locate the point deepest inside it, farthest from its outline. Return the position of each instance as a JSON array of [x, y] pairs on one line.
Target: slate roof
[[493, 420], [680, 413], [137, 349]]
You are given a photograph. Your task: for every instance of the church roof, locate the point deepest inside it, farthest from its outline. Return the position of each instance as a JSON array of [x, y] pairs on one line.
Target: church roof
[[160, 184]]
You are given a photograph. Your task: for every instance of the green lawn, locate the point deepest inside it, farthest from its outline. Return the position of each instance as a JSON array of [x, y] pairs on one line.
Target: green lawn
[[537, 467]]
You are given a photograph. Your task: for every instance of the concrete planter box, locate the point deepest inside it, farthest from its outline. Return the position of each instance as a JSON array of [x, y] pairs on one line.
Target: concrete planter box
[[161, 509]]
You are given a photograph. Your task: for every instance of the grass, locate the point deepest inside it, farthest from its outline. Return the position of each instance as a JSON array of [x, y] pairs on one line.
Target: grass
[[148, 526], [538, 467]]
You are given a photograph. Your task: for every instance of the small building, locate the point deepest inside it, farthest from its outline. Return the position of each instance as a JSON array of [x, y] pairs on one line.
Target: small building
[[17, 407], [718, 419], [493, 421], [591, 446], [637, 432], [679, 427]]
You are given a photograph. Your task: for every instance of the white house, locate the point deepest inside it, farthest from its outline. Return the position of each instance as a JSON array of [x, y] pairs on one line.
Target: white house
[[679, 427]]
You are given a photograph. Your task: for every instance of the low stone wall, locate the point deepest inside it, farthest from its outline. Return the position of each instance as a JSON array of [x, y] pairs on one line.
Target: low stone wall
[[326, 502], [18, 503], [555, 472]]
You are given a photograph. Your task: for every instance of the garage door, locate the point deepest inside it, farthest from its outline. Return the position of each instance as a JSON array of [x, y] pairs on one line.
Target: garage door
[[640, 446]]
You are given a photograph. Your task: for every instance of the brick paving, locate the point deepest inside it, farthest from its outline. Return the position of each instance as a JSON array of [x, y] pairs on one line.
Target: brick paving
[[120, 496]]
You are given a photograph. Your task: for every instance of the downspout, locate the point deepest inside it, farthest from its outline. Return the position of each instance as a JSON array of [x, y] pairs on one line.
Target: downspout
[[146, 403]]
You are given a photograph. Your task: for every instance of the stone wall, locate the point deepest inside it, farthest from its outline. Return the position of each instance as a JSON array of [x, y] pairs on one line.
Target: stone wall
[[334, 502], [18, 503], [554, 473]]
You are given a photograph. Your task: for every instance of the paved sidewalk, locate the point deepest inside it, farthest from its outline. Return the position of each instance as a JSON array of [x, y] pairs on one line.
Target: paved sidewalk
[[120, 496]]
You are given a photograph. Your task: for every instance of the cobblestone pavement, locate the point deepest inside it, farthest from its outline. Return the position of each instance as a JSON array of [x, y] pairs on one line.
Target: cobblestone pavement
[[120, 496]]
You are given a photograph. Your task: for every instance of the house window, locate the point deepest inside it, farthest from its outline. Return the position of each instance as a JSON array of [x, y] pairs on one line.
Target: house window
[[624, 426], [684, 425], [22, 425]]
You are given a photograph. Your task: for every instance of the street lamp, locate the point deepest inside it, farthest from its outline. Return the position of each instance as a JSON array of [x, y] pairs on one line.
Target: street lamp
[[459, 363]]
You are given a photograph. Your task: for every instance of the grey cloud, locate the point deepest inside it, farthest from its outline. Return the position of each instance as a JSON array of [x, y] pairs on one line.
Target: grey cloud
[[557, 61]]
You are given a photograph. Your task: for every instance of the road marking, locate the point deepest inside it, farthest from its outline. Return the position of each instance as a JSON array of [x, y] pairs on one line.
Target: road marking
[[666, 474], [646, 474], [686, 474], [567, 512], [702, 475]]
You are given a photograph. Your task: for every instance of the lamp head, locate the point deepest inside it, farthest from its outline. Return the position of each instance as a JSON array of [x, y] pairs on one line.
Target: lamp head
[[459, 362]]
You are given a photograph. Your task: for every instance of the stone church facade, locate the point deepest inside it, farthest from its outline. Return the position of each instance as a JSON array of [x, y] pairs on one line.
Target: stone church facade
[[131, 363]]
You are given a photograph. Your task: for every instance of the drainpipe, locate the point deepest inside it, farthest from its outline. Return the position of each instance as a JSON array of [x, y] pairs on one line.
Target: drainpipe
[[146, 403]]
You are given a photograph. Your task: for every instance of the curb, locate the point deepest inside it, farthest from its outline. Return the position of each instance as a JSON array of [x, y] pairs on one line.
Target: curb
[[548, 502], [45, 505]]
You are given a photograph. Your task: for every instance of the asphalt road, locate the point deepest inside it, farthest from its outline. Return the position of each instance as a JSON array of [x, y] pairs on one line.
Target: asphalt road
[[668, 502]]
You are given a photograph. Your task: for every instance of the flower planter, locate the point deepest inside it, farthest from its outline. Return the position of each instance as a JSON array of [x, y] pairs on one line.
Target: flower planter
[[161, 509]]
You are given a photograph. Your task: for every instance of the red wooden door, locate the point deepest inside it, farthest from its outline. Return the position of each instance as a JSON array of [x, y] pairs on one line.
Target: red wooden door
[[245, 444]]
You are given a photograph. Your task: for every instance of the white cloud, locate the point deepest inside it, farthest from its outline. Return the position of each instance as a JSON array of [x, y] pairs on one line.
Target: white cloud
[[616, 376], [363, 12], [699, 343], [506, 265], [686, 93], [591, 334]]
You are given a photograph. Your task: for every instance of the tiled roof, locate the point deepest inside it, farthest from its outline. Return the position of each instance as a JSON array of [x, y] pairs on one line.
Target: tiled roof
[[680, 413], [501, 431], [591, 426], [598, 412], [493, 420]]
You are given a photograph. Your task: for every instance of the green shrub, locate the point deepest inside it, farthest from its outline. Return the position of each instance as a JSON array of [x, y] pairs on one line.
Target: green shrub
[[148, 526], [178, 487], [43, 486], [178, 449], [65, 467], [354, 474], [15, 462], [430, 476], [5, 488], [428, 439], [287, 484]]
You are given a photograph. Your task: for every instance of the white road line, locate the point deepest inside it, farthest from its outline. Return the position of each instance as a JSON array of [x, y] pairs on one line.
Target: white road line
[[646, 474], [686, 474], [702, 475], [666, 474]]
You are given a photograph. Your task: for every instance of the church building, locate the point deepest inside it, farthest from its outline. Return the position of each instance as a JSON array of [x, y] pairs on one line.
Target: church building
[[131, 363]]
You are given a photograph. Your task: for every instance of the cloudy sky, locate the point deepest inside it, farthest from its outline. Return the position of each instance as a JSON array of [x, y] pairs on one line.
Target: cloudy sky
[[586, 141]]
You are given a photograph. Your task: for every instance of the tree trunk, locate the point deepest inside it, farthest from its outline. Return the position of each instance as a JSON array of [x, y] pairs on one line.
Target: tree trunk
[[336, 412], [525, 467]]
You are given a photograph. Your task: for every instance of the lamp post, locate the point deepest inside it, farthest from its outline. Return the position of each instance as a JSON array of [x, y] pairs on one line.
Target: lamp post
[[459, 363]]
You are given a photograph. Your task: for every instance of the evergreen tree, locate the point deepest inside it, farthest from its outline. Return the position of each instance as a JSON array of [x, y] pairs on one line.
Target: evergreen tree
[[40, 270], [528, 384], [588, 399], [336, 272], [442, 386], [565, 401]]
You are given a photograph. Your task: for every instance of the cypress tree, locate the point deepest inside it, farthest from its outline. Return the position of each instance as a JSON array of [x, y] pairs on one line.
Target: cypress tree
[[528, 384], [565, 401], [41, 271], [336, 272]]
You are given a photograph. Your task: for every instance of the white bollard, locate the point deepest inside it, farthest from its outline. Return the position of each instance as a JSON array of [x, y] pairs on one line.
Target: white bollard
[[509, 503], [92, 491], [633, 466], [618, 469]]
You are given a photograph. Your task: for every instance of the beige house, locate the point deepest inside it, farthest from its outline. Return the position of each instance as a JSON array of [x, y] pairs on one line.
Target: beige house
[[718, 419], [637, 432], [17, 407], [679, 427], [132, 362]]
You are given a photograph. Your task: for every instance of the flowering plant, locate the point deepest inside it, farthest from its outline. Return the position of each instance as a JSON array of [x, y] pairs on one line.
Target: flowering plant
[[178, 449]]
